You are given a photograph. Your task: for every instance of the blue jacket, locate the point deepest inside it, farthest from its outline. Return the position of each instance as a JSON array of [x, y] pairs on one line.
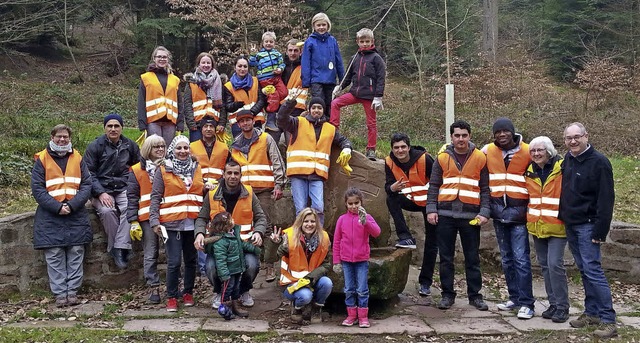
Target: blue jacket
[[267, 61], [321, 60]]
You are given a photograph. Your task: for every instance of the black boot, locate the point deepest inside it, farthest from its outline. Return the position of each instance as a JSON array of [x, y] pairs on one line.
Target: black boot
[[118, 258]]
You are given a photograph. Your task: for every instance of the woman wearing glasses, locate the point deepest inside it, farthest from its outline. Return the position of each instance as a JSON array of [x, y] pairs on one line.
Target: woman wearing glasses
[[159, 99], [139, 187], [176, 198]]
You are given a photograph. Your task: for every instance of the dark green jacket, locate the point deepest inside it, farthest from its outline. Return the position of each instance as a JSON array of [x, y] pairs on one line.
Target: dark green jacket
[[228, 252]]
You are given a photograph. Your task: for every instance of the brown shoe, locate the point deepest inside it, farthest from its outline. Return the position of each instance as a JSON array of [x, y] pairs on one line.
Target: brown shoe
[[584, 320], [61, 301], [270, 274], [72, 300], [606, 331], [316, 313], [237, 309], [296, 315]]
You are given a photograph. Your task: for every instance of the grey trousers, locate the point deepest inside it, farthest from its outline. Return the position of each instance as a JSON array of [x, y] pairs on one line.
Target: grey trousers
[[64, 266], [268, 206], [114, 221], [150, 246], [550, 253], [164, 129]]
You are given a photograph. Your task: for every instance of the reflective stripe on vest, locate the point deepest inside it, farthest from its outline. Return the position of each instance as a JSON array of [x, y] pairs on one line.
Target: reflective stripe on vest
[[61, 186], [295, 265], [242, 214], [249, 98], [544, 200], [201, 104], [306, 155], [295, 85], [465, 184], [212, 167], [417, 182], [508, 180], [144, 182], [256, 168], [178, 203], [160, 103]]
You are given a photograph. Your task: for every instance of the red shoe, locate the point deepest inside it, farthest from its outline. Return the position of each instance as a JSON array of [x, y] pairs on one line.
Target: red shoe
[[172, 305], [187, 299]]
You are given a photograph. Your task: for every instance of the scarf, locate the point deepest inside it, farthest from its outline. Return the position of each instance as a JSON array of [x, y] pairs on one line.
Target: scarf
[[209, 83], [185, 168], [311, 244], [239, 83], [152, 166], [60, 150]]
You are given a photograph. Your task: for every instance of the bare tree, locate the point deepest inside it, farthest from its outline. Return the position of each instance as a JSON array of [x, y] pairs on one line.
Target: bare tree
[[489, 29]]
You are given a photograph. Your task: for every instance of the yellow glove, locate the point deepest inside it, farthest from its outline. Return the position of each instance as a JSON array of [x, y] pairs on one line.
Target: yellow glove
[[178, 133], [141, 139], [442, 148], [345, 156], [300, 284], [268, 90], [136, 231], [474, 222], [224, 136], [347, 169], [212, 182]]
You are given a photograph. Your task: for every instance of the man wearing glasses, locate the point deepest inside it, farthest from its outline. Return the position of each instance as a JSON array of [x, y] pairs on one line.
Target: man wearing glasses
[[108, 159], [586, 207]]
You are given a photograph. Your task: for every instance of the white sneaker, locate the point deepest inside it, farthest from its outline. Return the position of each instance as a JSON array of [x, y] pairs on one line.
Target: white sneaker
[[246, 299], [216, 301], [508, 306], [525, 313]]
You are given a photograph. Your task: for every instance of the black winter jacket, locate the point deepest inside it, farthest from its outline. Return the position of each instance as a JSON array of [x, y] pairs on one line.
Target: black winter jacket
[[366, 75], [109, 164], [231, 105], [415, 152]]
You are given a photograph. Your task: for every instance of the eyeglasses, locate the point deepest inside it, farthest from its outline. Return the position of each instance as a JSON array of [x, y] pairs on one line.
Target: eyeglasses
[[181, 148], [162, 57], [534, 151], [159, 146], [573, 138]]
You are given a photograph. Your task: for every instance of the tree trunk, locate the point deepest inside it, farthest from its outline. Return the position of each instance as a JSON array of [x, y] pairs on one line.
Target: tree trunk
[[489, 30]]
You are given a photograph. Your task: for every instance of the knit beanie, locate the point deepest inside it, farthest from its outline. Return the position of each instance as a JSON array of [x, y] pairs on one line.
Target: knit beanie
[[321, 17], [207, 120], [316, 100], [503, 124], [111, 116], [244, 113]]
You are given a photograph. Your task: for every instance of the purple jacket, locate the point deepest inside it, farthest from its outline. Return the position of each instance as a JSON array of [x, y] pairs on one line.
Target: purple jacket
[[351, 239]]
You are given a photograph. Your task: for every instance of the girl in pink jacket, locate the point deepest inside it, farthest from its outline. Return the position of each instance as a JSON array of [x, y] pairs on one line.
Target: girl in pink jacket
[[351, 256]]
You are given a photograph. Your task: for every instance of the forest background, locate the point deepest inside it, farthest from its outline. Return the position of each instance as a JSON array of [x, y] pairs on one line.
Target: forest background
[[543, 63]]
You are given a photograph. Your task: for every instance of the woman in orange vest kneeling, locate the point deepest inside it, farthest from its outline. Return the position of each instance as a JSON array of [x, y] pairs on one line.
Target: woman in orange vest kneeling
[[176, 198], [305, 251]]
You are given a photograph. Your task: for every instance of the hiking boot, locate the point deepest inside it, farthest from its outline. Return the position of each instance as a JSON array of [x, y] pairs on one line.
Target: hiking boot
[[237, 309], [408, 243], [316, 313], [271, 122], [72, 300], [525, 313], [216, 301], [584, 320], [548, 313], [154, 297], [424, 290], [479, 304], [187, 300], [270, 273], [370, 154], [560, 316], [508, 306], [118, 258], [172, 305], [296, 315], [446, 303], [61, 301], [606, 331], [246, 299]]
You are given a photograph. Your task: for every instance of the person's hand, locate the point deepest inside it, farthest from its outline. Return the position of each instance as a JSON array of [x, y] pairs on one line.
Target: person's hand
[[432, 218], [337, 268], [219, 128], [198, 243], [376, 104], [278, 71], [398, 185], [276, 235], [483, 220], [210, 184], [336, 91], [65, 209], [294, 93], [106, 200], [256, 239], [362, 215], [253, 49], [136, 231], [157, 231], [596, 241], [277, 193]]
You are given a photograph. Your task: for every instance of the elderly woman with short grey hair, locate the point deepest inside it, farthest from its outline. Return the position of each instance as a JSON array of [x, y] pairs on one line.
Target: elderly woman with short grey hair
[[544, 183]]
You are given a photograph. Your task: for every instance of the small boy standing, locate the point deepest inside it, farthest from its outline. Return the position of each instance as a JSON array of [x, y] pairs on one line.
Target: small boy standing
[[366, 77], [321, 61], [270, 65]]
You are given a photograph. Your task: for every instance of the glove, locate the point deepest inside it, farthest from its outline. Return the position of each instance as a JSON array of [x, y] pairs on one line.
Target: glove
[[337, 268], [442, 148], [474, 222], [267, 90], [362, 215], [141, 139], [136, 231], [224, 136], [345, 156], [376, 104], [178, 133], [336, 90], [300, 284], [347, 169]]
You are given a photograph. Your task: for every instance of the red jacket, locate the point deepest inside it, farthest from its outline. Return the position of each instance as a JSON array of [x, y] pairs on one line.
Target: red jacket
[[351, 239]]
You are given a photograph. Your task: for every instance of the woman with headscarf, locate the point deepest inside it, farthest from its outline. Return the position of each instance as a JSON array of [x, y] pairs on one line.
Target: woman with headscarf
[[203, 96], [159, 99], [176, 198], [243, 92], [152, 154]]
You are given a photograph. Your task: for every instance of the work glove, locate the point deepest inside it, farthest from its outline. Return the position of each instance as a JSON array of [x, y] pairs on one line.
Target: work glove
[[224, 136], [267, 90], [362, 215], [474, 222], [178, 133], [376, 104], [343, 161], [300, 284], [443, 148], [141, 139], [136, 231], [336, 91], [337, 268]]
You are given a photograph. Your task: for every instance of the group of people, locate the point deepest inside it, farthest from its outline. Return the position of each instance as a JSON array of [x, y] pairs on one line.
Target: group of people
[[211, 203]]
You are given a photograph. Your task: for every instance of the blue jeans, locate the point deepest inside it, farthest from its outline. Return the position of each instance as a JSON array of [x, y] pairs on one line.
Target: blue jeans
[[319, 295], [202, 261], [232, 292], [356, 284], [513, 240], [550, 253], [302, 190], [597, 301], [252, 263]]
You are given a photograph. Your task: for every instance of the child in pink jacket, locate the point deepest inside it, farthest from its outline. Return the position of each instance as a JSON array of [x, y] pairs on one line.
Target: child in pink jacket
[[351, 256]]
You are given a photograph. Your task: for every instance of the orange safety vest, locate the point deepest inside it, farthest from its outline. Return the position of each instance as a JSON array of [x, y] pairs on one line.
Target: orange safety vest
[[416, 189], [306, 155], [295, 81], [159, 102], [61, 186], [212, 167], [249, 99], [509, 181], [145, 191], [242, 214], [178, 203], [544, 203], [296, 266], [461, 184], [257, 170], [202, 106]]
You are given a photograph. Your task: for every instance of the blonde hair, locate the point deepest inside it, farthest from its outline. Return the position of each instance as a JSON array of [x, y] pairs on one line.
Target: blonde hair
[[364, 33], [269, 34], [169, 56], [297, 227], [293, 41], [321, 17], [145, 149]]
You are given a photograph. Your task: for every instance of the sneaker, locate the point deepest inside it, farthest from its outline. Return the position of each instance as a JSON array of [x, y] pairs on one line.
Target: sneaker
[[479, 304], [446, 303], [508, 306], [560, 316], [216, 301], [548, 313], [408, 243], [584, 320], [187, 300], [154, 297], [606, 331], [246, 299], [370, 154], [424, 290], [72, 300], [172, 305], [61, 301], [525, 313]]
